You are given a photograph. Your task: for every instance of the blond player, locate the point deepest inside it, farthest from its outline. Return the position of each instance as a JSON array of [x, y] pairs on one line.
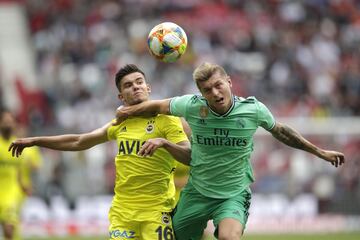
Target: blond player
[[221, 174], [147, 147]]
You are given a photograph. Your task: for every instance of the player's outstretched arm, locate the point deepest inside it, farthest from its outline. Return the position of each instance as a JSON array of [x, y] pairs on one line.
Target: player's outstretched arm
[[67, 142], [292, 138], [147, 108], [180, 151]]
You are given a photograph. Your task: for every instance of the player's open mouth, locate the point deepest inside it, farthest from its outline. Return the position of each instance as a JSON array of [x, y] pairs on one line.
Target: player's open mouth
[[219, 100]]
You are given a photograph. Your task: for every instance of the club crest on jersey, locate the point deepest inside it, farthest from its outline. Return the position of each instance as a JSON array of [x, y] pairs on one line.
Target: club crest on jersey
[[150, 126], [165, 218], [204, 112], [240, 123]]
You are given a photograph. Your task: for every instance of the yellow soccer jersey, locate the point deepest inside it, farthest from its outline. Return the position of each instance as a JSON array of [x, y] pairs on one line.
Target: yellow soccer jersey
[[9, 169], [145, 182], [32, 159]]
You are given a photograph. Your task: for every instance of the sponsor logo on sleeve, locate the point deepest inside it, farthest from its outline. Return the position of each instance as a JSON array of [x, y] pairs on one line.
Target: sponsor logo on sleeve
[[122, 234]]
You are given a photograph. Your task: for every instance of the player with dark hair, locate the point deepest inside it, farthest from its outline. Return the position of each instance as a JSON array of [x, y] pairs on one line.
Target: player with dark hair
[[10, 178], [222, 127], [147, 146]]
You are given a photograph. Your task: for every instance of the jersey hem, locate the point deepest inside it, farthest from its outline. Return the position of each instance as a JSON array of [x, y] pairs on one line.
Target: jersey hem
[[226, 196]]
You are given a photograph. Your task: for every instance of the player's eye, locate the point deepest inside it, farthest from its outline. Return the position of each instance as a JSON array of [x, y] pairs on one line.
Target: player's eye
[[219, 85], [127, 85], [206, 90], [139, 82]]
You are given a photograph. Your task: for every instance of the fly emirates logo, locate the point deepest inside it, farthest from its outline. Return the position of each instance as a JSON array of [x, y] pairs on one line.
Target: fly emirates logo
[[221, 138]]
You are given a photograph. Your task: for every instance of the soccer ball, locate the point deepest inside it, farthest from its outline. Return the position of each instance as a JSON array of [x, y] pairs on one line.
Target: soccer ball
[[167, 42]]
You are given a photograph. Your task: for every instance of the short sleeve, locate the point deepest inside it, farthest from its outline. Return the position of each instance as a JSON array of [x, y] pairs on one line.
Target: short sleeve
[[173, 129], [178, 105], [111, 132], [265, 118]]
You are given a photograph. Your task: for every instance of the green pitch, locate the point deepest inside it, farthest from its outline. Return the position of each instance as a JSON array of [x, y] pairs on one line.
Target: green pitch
[[330, 236]]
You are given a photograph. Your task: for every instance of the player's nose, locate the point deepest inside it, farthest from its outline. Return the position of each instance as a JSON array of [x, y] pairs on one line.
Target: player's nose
[[214, 92], [135, 87]]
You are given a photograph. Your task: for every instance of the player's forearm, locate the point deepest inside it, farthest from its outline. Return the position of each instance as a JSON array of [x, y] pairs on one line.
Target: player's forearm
[[69, 142], [292, 138], [147, 108], [181, 152]]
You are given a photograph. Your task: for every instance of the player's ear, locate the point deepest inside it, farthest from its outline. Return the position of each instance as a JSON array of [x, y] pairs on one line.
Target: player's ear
[[148, 87], [228, 79], [120, 97]]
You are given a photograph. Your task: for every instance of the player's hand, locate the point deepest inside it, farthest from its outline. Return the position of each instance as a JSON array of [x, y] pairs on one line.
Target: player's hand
[[17, 146], [120, 115], [150, 146], [335, 158]]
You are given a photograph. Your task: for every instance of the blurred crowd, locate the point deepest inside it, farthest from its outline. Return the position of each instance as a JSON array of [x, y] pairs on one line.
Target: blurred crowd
[[302, 58]]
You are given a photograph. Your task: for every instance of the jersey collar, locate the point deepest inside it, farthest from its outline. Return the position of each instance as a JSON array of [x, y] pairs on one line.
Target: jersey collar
[[228, 111]]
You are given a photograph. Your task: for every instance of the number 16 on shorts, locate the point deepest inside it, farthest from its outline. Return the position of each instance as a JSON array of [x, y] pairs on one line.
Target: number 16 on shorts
[[165, 233]]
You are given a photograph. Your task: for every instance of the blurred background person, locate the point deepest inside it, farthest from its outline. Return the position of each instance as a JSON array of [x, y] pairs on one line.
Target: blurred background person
[[29, 167], [10, 178]]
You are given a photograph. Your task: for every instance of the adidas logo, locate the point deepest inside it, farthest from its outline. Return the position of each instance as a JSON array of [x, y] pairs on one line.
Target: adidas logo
[[236, 212], [123, 129], [202, 121]]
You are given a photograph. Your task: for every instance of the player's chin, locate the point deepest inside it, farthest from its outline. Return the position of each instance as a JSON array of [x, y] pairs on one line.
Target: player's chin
[[138, 99], [219, 104]]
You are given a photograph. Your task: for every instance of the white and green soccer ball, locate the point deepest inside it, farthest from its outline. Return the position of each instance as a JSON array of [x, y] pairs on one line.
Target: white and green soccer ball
[[167, 42]]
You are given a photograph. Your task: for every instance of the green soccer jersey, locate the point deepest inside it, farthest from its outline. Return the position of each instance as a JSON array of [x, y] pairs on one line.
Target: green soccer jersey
[[221, 144]]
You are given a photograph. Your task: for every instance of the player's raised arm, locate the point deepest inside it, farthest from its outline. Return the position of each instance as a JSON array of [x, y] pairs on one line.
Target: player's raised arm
[[146, 108], [292, 138], [67, 142]]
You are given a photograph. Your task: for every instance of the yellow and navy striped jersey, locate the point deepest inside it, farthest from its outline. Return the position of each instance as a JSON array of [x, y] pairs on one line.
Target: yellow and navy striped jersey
[[145, 182]]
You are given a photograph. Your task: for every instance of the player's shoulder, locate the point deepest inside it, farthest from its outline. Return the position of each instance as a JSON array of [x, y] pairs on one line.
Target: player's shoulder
[[110, 125], [197, 98], [247, 100], [164, 118], [110, 128], [167, 121], [192, 98]]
